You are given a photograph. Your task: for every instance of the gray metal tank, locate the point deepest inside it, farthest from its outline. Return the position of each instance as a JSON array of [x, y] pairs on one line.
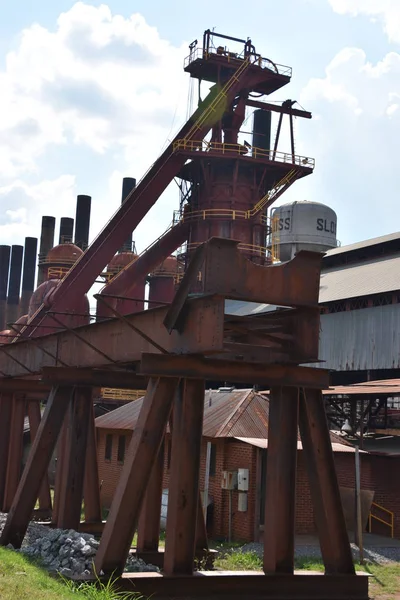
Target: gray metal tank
[[303, 225]]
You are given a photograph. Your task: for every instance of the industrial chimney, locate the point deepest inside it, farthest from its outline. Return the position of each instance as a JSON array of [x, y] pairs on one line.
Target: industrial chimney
[[66, 230], [82, 221], [14, 284], [46, 244], [4, 269], [28, 275], [128, 184]]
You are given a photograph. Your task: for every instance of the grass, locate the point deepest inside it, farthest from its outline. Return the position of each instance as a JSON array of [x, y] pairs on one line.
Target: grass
[[20, 579], [384, 583]]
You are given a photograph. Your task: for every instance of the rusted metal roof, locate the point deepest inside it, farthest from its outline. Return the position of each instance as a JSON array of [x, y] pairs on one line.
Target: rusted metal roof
[[383, 387], [263, 443], [364, 244], [235, 414]]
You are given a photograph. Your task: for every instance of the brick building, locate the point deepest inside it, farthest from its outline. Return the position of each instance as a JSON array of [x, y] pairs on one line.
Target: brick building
[[236, 427]]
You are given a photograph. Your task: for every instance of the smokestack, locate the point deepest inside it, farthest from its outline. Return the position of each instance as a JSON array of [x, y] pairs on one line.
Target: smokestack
[[262, 129], [128, 184], [4, 268], [66, 230], [46, 244], [14, 284], [28, 276], [82, 221]]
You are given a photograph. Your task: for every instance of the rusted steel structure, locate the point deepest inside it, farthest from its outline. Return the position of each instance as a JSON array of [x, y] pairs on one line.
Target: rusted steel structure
[[173, 349]]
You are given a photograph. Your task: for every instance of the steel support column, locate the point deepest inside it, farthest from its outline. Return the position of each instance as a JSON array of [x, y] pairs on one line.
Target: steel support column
[[69, 512], [15, 450], [280, 500], [38, 461], [6, 401], [34, 422], [149, 521], [141, 456], [91, 488], [183, 501], [60, 467], [318, 454]]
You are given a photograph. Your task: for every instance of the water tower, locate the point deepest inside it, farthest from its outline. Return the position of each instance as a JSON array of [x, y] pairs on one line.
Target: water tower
[[303, 225]]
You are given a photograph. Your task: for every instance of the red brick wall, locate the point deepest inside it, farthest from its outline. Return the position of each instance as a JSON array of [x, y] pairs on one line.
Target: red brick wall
[[377, 473]]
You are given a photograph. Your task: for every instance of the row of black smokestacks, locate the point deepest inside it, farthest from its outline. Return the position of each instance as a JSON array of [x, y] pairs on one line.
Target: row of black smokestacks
[[19, 262]]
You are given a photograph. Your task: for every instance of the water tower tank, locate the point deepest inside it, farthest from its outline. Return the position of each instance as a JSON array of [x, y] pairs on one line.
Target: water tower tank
[[303, 226]]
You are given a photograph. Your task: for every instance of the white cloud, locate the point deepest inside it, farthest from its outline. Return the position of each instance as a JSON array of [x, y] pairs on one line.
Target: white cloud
[[19, 202], [96, 81], [355, 141], [385, 11]]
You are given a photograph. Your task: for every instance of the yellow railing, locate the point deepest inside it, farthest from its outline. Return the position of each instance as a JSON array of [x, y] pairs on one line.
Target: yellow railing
[[57, 272], [224, 149], [261, 204], [220, 97], [232, 57], [252, 249], [121, 395], [389, 523]]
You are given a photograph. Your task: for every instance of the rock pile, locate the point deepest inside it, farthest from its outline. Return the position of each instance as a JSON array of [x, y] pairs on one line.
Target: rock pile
[[67, 551]]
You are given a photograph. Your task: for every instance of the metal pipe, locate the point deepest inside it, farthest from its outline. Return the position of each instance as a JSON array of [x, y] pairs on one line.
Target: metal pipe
[[46, 244], [14, 284], [4, 269], [82, 221], [128, 184], [28, 275], [66, 230]]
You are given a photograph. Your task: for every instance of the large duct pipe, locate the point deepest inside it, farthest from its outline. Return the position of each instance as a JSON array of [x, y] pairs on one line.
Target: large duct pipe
[[66, 230], [82, 221], [46, 244], [28, 275], [14, 284], [4, 269], [128, 184]]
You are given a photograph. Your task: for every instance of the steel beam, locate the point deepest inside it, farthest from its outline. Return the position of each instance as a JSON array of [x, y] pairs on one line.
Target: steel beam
[[62, 446], [69, 512], [91, 489], [280, 501], [183, 497], [318, 454], [6, 403], [195, 367], [93, 377], [38, 461], [34, 422], [148, 533], [27, 386], [279, 109], [15, 451], [204, 334], [141, 456]]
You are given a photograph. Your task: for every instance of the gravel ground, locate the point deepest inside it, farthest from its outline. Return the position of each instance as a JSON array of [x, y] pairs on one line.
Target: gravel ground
[[375, 554]]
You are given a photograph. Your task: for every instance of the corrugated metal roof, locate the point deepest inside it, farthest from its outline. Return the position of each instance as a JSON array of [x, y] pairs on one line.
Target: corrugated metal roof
[[370, 277], [263, 443], [240, 413], [364, 244], [348, 390]]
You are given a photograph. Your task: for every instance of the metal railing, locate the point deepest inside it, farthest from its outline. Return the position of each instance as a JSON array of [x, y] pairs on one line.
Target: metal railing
[[389, 523], [252, 249], [234, 58], [57, 272], [121, 395], [224, 149]]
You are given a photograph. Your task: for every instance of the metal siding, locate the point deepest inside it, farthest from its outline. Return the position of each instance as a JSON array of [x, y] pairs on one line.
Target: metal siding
[[361, 339], [364, 244]]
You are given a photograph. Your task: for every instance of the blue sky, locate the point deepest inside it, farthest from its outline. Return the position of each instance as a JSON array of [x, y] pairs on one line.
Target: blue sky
[[92, 92]]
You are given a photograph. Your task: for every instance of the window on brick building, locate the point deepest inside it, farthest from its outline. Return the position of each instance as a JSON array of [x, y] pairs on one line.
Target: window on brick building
[[108, 451], [121, 448], [213, 460]]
